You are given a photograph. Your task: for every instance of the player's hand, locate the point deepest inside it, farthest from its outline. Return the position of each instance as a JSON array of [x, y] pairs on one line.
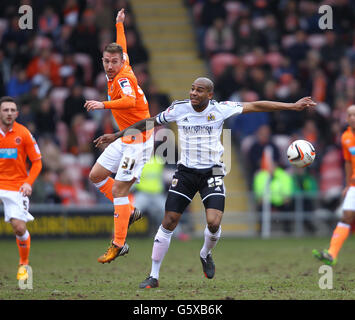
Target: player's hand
[[120, 16], [104, 140], [93, 105], [303, 103], [26, 189]]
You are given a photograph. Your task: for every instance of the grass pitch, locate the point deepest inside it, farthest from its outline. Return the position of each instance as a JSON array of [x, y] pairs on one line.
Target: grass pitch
[[245, 269]]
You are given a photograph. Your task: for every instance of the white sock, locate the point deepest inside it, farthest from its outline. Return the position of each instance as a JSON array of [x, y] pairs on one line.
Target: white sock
[[160, 248], [24, 237], [211, 240]]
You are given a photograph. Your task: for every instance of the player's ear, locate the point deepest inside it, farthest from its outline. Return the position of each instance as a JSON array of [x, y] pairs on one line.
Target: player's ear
[[210, 95]]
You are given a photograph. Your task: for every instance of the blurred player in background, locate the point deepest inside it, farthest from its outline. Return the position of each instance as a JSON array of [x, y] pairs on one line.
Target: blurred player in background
[[127, 156], [16, 144], [343, 227], [200, 123]]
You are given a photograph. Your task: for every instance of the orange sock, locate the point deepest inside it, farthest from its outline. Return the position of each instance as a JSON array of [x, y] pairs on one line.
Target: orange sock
[[24, 249], [131, 201], [106, 188], [121, 218], [340, 234]]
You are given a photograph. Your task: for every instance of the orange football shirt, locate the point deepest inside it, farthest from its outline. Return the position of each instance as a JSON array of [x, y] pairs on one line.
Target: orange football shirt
[[348, 146], [15, 146], [127, 101]]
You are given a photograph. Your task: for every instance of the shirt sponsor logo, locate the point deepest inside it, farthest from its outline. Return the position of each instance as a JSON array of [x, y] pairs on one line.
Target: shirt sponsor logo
[[10, 153], [352, 151], [125, 86], [197, 129]]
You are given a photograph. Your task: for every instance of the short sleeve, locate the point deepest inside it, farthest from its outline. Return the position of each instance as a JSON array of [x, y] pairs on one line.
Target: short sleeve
[[169, 115], [230, 108], [31, 147]]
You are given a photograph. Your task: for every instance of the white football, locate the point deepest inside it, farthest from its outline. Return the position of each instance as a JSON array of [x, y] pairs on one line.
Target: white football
[[301, 153]]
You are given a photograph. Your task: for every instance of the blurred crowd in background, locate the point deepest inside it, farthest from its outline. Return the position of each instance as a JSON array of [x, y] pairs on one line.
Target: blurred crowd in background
[[51, 70], [276, 50], [255, 50]]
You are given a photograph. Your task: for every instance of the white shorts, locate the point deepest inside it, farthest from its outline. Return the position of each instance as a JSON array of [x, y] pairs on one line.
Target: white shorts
[[349, 200], [15, 206], [126, 160]]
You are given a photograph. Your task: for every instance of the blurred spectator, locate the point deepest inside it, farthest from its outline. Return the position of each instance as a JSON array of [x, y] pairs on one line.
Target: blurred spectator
[[306, 190], [27, 118], [219, 38], [257, 148], [46, 118], [44, 190], [149, 196], [245, 37], [62, 44], [74, 104], [278, 182], [44, 71], [298, 51], [70, 72], [65, 190], [233, 79], [48, 23], [85, 39], [160, 98], [247, 124], [71, 12], [19, 83], [136, 51], [78, 142], [51, 153]]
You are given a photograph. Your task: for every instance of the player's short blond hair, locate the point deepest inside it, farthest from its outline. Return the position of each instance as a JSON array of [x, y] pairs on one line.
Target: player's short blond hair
[[114, 48]]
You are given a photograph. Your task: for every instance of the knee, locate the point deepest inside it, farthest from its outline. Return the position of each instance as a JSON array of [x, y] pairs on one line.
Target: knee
[[348, 217], [94, 177], [213, 227], [170, 221], [19, 230]]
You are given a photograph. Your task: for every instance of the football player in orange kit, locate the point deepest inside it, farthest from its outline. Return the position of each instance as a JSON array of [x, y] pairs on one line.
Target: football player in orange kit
[[16, 144], [343, 227], [127, 156]]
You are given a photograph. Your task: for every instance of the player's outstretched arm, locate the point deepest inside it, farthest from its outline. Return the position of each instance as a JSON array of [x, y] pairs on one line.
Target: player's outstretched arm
[[120, 36], [270, 106], [143, 125]]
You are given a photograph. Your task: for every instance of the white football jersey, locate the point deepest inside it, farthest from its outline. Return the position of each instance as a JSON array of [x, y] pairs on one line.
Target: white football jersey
[[200, 132]]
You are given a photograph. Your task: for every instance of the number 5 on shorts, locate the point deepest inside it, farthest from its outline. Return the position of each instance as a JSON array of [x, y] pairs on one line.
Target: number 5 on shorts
[[214, 182]]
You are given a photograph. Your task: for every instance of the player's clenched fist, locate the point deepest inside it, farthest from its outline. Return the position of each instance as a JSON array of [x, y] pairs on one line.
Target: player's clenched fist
[[120, 16]]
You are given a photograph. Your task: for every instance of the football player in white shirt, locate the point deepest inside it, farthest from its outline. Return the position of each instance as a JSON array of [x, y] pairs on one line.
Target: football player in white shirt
[[200, 122]]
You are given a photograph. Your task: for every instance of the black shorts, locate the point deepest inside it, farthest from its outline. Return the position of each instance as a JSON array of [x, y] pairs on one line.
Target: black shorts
[[186, 182]]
